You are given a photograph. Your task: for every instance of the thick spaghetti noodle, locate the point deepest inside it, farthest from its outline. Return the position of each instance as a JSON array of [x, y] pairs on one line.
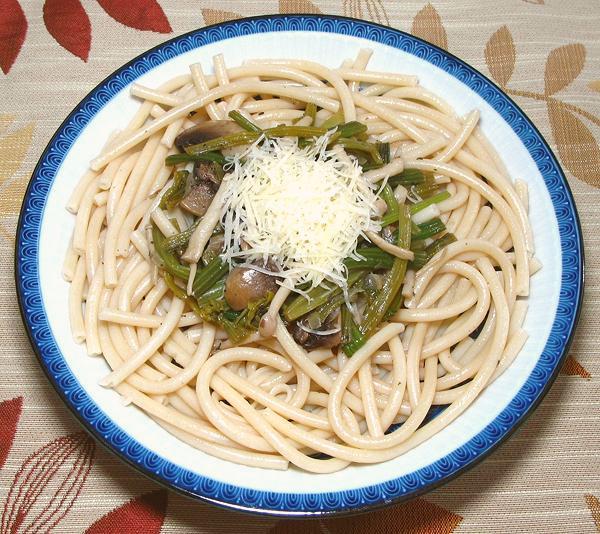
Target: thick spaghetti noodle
[[428, 304]]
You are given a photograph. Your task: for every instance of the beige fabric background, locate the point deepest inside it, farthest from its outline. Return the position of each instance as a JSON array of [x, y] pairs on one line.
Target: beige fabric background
[[546, 478]]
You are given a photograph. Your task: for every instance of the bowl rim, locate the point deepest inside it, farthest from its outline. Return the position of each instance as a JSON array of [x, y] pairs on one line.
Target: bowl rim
[[31, 298]]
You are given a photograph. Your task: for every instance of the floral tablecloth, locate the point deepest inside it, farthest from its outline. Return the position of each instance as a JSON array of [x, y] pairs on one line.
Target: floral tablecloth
[[54, 477]]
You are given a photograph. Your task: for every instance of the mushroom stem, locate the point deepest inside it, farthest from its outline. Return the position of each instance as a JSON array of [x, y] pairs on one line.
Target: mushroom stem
[[268, 323], [399, 252]]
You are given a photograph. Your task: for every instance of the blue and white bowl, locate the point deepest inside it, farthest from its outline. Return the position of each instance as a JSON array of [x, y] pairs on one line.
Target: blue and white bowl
[[45, 228]]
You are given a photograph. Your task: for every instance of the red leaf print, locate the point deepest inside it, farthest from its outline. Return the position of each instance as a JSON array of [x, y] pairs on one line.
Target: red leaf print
[[145, 513], [140, 14], [10, 412], [47, 484], [69, 24], [13, 28], [415, 517]]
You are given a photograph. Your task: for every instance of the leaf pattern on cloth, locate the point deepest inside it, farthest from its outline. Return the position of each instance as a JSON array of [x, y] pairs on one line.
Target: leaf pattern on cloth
[[366, 9], [572, 367], [47, 484], [13, 28], [594, 85], [144, 514], [216, 16], [10, 413], [418, 516], [577, 147], [68, 23], [594, 505], [298, 6], [13, 149], [563, 65], [139, 14], [428, 25], [501, 55]]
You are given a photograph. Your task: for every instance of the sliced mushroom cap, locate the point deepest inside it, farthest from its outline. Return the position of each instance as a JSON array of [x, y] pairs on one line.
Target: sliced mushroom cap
[[205, 131], [311, 341], [199, 198], [213, 248], [245, 284], [202, 187], [206, 171]]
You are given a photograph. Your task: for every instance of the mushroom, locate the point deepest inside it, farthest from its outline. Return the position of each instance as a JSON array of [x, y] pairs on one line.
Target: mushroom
[[213, 248], [312, 341], [245, 284], [205, 131], [202, 188]]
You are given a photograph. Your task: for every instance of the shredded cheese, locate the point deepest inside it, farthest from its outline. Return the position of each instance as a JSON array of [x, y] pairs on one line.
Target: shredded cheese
[[303, 208]]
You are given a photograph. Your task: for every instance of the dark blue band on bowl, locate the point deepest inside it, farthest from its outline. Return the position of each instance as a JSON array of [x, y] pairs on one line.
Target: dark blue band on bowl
[[160, 469]]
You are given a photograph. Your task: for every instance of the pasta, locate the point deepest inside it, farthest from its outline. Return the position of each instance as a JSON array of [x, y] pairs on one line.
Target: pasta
[[416, 299]]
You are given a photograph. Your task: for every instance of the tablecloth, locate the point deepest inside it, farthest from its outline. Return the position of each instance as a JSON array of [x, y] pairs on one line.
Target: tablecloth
[[54, 477]]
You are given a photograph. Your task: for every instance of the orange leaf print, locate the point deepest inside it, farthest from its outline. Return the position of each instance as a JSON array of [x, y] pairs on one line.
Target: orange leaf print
[[366, 9], [68, 23], [415, 517], [13, 149], [13, 28], [572, 367], [216, 16], [428, 25], [10, 413], [594, 505], [139, 14], [577, 147], [57, 472], [298, 527], [144, 514], [5, 122], [500, 55], [298, 6], [562, 66], [594, 85]]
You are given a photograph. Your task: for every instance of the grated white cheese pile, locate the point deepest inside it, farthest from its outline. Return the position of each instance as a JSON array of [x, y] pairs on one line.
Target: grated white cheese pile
[[304, 208]]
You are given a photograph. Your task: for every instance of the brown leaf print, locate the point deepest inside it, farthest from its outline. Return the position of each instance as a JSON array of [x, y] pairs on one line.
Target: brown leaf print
[[594, 505], [298, 527], [577, 147], [500, 56], [10, 413], [13, 149], [144, 514], [428, 25], [47, 484], [594, 85], [562, 66], [298, 6], [366, 9], [418, 516], [5, 122], [572, 367], [216, 16]]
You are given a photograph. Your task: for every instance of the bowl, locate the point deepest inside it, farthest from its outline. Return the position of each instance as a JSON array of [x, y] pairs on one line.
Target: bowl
[[45, 227]]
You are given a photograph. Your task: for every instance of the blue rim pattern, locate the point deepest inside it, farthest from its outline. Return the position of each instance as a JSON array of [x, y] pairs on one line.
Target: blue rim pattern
[[404, 487]]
